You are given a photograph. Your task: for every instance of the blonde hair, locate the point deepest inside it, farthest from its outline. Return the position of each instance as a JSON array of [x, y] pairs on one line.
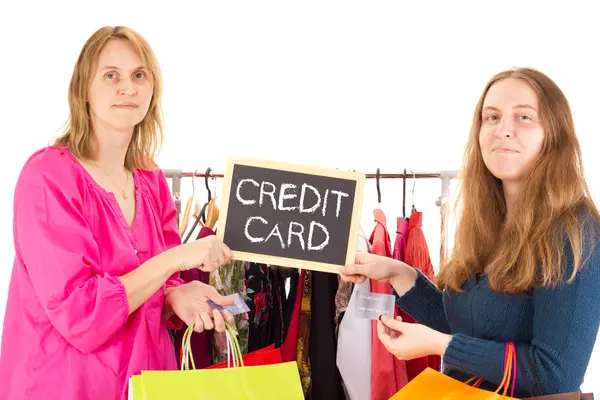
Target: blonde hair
[[147, 135], [526, 252]]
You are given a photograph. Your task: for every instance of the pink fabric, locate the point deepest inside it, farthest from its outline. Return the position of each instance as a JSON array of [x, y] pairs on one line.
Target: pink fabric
[[67, 334]]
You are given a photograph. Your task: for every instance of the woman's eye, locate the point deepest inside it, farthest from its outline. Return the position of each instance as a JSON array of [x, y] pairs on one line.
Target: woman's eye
[[140, 75]]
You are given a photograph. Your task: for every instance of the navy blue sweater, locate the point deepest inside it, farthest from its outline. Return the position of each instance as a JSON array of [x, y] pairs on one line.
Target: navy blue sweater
[[557, 327]]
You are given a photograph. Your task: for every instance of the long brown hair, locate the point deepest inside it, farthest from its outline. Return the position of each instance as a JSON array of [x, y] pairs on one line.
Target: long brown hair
[[147, 135], [527, 251]]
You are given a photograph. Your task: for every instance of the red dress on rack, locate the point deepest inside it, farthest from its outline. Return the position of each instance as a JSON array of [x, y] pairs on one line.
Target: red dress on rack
[[388, 374]]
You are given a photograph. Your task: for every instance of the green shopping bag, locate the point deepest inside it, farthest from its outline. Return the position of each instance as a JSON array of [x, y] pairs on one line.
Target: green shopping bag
[[264, 382]]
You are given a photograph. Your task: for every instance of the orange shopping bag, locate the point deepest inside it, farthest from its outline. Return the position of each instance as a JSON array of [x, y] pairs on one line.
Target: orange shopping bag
[[431, 384]]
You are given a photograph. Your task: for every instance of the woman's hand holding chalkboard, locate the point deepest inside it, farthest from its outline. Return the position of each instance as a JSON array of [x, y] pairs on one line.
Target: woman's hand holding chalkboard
[[401, 276], [206, 254]]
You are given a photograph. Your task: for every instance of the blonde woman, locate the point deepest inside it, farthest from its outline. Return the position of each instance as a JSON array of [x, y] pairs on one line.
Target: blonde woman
[[526, 265], [94, 284]]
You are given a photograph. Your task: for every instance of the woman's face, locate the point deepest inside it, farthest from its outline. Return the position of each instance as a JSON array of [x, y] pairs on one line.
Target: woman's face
[[511, 135], [121, 88]]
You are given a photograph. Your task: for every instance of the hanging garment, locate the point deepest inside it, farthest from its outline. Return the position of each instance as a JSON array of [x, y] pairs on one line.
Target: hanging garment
[[304, 324], [342, 299], [200, 342], [354, 342], [67, 330], [290, 344], [417, 256], [326, 383], [286, 301], [399, 252], [259, 299], [417, 252], [270, 309], [388, 374], [229, 279]]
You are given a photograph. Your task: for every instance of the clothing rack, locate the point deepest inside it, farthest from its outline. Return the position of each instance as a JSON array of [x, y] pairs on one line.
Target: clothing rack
[[445, 176]]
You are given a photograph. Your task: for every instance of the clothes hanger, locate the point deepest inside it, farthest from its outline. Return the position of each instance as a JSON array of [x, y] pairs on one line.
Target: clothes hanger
[[188, 208], [404, 194], [413, 208], [203, 212], [377, 179], [201, 218], [212, 209]]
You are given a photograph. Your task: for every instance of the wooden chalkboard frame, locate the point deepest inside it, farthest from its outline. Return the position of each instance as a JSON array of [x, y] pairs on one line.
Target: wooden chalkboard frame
[[304, 169]]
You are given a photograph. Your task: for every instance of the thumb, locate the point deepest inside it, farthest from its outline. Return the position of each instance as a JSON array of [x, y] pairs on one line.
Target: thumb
[[220, 300], [395, 324], [355, 269]]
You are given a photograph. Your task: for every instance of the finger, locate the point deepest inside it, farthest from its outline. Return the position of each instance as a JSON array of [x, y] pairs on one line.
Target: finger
[[220, 300], [222, 259], [219, 321], [217, 263], [208, 324], [190, 321], [356, 269], [228, 318], [198, 324], [353, 278], [383, 336], [227, 251], [207, 266], [395, 324]]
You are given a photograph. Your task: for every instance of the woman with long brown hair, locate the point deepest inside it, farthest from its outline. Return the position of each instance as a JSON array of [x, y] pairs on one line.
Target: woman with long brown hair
[[526, 264], [94, 284]]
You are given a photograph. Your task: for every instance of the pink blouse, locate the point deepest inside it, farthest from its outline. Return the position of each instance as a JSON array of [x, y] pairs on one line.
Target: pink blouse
[[67, 333]]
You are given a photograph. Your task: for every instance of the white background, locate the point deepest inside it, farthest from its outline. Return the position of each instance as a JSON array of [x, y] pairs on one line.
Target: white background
[[349, 85]]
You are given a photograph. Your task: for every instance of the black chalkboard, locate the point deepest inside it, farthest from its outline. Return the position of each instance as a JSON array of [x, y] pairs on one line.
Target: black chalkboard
[[291, 215]]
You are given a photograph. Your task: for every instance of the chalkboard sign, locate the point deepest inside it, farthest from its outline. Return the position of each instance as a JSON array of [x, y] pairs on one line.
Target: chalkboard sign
[[290, 215]]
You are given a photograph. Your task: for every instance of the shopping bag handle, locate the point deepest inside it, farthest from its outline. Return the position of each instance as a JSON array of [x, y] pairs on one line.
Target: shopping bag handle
[[186, 355], [510, 365], [234, 345]]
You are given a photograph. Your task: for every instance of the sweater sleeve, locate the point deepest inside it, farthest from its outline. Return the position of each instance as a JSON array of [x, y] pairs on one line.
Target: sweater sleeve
[[565, 325], [83, 303], [424, 303]]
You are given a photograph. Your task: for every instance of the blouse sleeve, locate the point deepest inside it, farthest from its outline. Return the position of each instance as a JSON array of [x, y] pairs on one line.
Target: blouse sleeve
[[171, 236], [62, 259], [169, 222]]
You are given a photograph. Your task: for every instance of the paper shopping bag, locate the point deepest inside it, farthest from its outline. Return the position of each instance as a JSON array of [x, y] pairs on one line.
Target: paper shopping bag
[[274, 381], [431, 384], [136, 391]]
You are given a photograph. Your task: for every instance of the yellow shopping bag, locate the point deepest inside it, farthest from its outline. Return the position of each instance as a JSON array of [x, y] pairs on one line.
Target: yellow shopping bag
[[275, 381], [431, 384]]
